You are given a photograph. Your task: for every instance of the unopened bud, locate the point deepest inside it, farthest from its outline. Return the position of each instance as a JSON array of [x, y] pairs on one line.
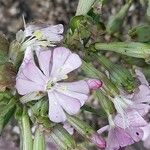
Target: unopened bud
[[94, 84], [98, 140]]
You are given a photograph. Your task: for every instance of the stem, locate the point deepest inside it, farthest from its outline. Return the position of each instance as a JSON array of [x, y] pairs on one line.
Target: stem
[[39, 140], [25, 132]]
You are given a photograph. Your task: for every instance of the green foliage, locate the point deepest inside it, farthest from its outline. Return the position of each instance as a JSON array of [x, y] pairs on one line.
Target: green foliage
[[62, 138], [140, 33]]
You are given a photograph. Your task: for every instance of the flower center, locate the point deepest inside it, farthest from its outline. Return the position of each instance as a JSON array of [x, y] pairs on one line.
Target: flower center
[[50, 84]]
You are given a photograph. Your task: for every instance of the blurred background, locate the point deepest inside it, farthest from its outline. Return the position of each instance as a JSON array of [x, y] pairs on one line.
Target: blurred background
[[54, 12]]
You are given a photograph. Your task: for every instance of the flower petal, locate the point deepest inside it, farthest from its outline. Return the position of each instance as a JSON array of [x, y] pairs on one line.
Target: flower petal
[[56, 113], [112, 142], [24, 86], [78, 90], [142, 95], [135, 133], [133, 118], [31, 72], [44, 58], [64, 62], [142, 109], [141, 77], [123, 138], [69, 104]]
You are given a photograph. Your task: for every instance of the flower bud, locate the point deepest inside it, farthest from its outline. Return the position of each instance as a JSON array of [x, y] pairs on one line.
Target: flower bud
[[62, 138], [115, 22], [94, 84], [98, 140], [86, 131], [133, 49]]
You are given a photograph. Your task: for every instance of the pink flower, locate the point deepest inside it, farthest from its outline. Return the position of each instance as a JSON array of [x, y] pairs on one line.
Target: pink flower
[[45, 31], [142, 94], [138, 101], [120, 135], [53, 67], [40, 35]]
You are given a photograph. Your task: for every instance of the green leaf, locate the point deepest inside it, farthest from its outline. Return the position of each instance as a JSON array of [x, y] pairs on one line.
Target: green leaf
[[140, 33], [133, 49], [6, 114], [115, 22], [84, 6]]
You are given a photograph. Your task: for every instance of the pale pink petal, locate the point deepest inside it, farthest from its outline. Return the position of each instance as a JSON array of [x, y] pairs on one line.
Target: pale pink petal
[[141, 77], [78, 86], [44, 58], [136, 133], [53, 37], [56, 113], [112, 142], [78, 90], [68, 127], [25, 86], [32, 73], [123, 138], [59, 29], [142, 109], [142, 94], [133, 118], [69, 104], [64, 62], [103, 129], [49, 32]]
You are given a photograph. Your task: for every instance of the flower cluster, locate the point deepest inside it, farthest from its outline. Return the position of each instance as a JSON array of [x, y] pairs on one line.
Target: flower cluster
[[129, 125], [44, 72]]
